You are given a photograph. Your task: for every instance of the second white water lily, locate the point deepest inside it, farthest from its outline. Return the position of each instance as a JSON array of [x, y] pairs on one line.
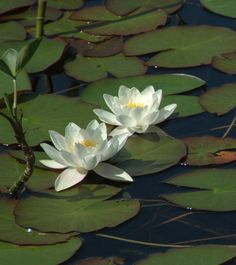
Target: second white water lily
[[81, 150], [134, 111]]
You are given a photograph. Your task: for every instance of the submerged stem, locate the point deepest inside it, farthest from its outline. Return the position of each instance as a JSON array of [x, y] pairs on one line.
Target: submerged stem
[[14, 97], [230, 127]]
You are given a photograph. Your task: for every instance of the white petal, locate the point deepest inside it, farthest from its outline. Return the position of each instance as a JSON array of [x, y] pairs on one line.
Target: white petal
[[150, 118], [140, 129], [121, 130], [148, 91], [158, 98], [58, 140], [92, 125], [91, 161], [112, 103], [165, 113], [106, 116], [111, 172], [100, 132], [72, 132], [126, 121], [124, 91], [52, 164], [53, 153], [68, 178], [71, 159]]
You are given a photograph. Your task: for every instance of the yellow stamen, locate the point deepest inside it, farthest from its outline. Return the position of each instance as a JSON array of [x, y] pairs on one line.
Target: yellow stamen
[[133, 105], [88, 143]]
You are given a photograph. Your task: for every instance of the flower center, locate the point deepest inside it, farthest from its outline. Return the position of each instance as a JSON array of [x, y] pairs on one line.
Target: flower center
[[88, 143], [133, 104]]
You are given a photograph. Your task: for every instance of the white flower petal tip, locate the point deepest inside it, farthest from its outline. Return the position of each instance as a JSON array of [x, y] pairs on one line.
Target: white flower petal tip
[[51, 164]]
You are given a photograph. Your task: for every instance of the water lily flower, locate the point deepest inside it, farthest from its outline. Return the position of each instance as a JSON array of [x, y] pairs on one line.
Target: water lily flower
[[134, 111], [81, 150]]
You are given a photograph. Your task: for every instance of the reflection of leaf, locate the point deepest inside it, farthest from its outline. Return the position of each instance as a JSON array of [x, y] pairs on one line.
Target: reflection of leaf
[[182, 46], [205, 150], [101, 261], [218, 194], [220, 100], [200, 255]]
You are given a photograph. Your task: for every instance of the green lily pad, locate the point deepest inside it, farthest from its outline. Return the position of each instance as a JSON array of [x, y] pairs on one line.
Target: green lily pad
[[12, 31], [149, 153], [226, 8], [220, 100], [205, 150], [6, 6], [56, 113], [38, 255], [218, 194], [125, 7], [182, 46], [68, 28], [68, 4], [199, 255], [169, 83], [146, 20], [80, 210], [12, 233], [91, 69], [226, 63]]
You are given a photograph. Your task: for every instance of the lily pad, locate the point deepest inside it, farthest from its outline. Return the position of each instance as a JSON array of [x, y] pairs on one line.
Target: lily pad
[[226, 8], [135, 23], [125, 7], [226, 63], [90, 69], [38, 255], [12, 233], [169, 83], [101, 261], [217, 194], [6, 6], [199, 255], [12, 31], [182, 46], [47, 112], [220, 100], [204, 150], [79, 210], [149, 153], [68, 4]]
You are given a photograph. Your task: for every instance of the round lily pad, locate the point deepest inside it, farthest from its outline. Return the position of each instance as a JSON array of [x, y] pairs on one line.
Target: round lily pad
[[218, 187], [79, 210], [182, 46], [220, 100], [149, 153], [205, 150], [68, 4], [91, 69], [6, 6], [12, 31]]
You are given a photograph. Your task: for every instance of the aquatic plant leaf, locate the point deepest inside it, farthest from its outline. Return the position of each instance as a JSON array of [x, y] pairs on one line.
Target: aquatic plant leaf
[[6, 6], [226, 63], [38, 255], [226, 8], [124, 7], [91, 69], [146, 20], [83, 210], [199, 255], [12, 31], [205, 150], [220, 100], [218, 187], [182, 46], [102, 261], [169, 83], [56, 113], [149, 153], [68, 4], [13, 233]]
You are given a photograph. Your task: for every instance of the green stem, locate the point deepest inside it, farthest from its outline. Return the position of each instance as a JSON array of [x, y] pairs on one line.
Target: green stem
[[14, 97], [230, 127], [42, 4]]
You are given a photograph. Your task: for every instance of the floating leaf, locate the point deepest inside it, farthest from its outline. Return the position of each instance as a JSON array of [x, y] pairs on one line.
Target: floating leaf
[[226, 8], [46, 112], [77, 210], [38, 255], [101, 261], [6, 6], [68, 4], [12, 31], [11, 232], [226, 63], [169, 83], [182, 46], [220, 100], [218, 194], [199, 255], [149, 153], [205, 150], [91, 69], [125, 7]]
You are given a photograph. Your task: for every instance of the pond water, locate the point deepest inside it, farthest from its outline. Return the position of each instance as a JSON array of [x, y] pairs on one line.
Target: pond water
[[160, 225]]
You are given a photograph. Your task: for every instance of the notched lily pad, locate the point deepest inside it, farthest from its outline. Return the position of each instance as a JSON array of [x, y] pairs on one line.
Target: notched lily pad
[[226, 63], [218, 187], [206, 150], [182, 46], [91, 69], [220, 100]]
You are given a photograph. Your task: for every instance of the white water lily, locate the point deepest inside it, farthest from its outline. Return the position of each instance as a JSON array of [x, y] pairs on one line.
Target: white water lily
[[81, 150], [134, 111]]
